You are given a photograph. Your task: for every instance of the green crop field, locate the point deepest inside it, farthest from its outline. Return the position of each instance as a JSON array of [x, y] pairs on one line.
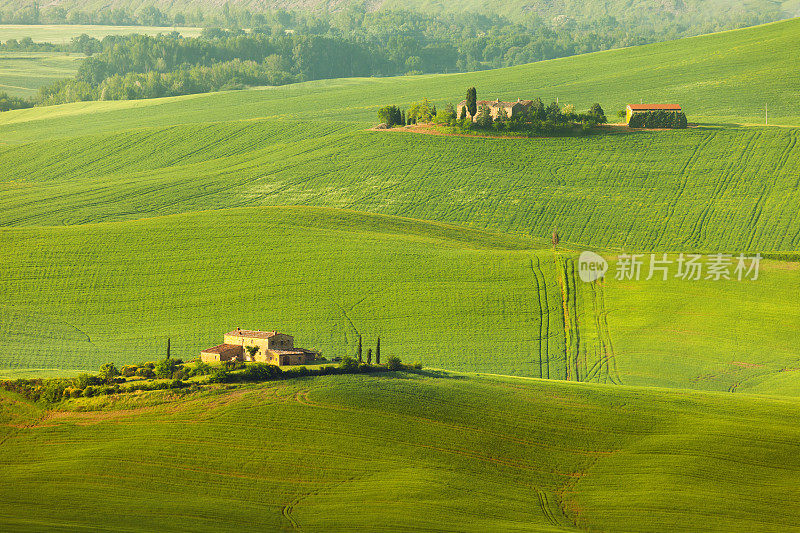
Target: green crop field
[[64, 33], [98, 167], [403, 453], [81, 295], [125, 224], [22, 73]]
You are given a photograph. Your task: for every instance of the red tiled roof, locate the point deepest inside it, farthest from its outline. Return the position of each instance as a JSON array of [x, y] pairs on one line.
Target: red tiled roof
[[253, 334], [222, 348], [654, 107]]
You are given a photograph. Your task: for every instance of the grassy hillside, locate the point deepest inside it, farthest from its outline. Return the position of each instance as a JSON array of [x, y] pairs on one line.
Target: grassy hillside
[[22, 73], [390, 452], [79, 296], [725, 77], [113, 286], [710, 189]]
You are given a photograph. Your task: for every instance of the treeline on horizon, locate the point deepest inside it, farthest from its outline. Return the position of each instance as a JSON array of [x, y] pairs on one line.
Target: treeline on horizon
[[282, 47]]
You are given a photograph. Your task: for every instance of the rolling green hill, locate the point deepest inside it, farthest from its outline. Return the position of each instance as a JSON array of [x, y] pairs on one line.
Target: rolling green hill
[[76, 297], [111, 208], [399, 452]]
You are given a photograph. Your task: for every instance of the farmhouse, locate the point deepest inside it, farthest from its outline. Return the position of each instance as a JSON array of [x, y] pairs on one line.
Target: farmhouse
[[261, 346], [512, 108], [632, 109]]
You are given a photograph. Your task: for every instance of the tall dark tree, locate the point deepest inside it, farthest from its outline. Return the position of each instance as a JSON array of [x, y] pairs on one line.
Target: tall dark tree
[[168, 346], [597, 112], [378, 352], [538, 111], [360, 359], [369, 356], [472, 101], [554, 112]]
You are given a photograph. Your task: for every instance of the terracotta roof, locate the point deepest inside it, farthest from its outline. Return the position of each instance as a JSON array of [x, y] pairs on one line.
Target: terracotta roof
[[654, 107], [253, 334], [222, 348]]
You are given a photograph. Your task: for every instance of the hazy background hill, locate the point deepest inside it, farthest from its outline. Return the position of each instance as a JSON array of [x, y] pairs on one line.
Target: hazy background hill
[[547, 9]]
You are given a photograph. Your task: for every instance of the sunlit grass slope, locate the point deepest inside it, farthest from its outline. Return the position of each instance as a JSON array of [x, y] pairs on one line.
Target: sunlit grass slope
[[76, 297], [389, 453], [79, 296], [710, 189], [724, 77]]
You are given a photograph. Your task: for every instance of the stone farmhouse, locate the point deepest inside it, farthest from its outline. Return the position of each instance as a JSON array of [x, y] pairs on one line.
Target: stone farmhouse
[[632, 109], [512, 108], [271, 347]]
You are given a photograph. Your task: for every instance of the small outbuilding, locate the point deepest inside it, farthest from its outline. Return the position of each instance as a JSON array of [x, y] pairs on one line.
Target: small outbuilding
[[633, 109]]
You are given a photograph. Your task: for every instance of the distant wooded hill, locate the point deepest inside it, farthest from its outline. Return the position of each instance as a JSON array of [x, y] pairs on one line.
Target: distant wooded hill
[[558, 11]]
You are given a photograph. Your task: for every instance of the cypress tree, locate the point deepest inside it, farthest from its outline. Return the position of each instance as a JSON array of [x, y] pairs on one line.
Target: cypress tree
[[472, 101], [369, 356], [360, 359], [378, 352], [168, 346]]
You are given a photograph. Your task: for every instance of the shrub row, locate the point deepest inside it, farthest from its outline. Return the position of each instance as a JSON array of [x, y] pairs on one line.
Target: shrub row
[[108, 381], [658, 119]]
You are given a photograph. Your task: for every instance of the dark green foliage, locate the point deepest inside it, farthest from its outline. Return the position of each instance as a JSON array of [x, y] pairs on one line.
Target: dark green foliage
[[537, 110], [233, 365], [252, 351], [200, 369], [168, 347], [394, 363], [108, 372], [13, 102], [472, 102], [259, 372], [658, 119], [553, 112], [145, 372], [484, 118], [359, 352], [391, 116], [369, 356], [219, 376], [349, 364], [378, 352], [423, 111], [165, 368], [597, 112]]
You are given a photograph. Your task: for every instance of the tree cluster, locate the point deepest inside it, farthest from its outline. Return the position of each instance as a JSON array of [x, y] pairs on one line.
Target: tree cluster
[[658, 119]]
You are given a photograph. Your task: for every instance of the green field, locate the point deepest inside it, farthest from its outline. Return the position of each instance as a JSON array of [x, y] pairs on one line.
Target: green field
[[79, 296], [124, 224], [144, 192], [22, 73], [398, 452], [64, 33]]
